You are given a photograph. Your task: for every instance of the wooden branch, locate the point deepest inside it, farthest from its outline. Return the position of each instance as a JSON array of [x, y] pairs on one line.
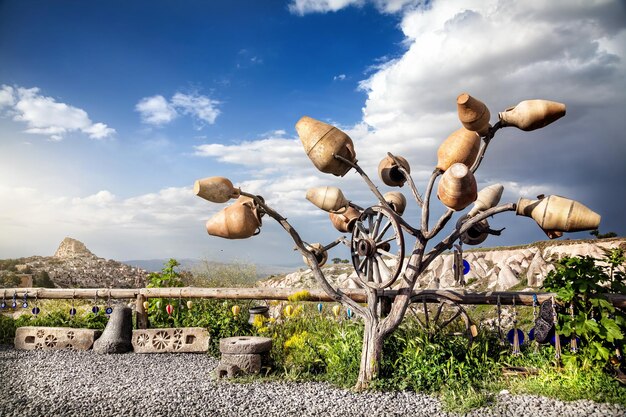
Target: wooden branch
[[269, 293], [426, 206], [443, 220], [409, 179], [483, 148]]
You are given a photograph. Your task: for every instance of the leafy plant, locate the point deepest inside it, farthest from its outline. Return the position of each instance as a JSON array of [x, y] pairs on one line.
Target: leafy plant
[[582, 283]]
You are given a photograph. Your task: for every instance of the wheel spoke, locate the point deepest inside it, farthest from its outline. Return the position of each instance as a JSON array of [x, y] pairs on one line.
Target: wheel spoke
[[389, 255], [439, 309], [391, 239], [362, 228], [426, 320], [444, 324], [362, 263], [382, 263], [369, 270], [384, 229], [377, 223], [377, 277]]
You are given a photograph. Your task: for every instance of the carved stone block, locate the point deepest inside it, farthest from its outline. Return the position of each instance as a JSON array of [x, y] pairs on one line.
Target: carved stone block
[[54, 338], [245, 345], [246, 363], [176, 340]]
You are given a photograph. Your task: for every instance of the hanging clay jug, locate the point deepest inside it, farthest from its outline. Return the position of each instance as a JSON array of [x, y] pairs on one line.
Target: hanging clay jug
[[390, 174], [396, 201], [487, 198], [476, 234], [473, 113], [461, 146], [320, 254], [329, 199], [237, 221], [532, 114], [345, 221], [457, 187], [215, 189], [558, 214], [321, 142]]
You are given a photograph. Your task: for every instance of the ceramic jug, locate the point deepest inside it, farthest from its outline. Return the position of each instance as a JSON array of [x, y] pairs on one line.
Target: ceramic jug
[[396, 201], [558, 214], [237, 221], [329, 199], [345, 221], [487, 198], [321, 142], [532, 114], [320, 254], [390, 174], [457, 187], [473, 114], [215, 189], [461, 146], [476, 234]]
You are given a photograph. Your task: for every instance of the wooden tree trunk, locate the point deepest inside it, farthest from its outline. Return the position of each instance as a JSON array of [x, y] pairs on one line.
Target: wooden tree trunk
[[371, 354]]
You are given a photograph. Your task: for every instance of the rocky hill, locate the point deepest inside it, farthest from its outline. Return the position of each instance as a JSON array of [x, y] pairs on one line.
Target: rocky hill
[[74, 266], [490, 269]]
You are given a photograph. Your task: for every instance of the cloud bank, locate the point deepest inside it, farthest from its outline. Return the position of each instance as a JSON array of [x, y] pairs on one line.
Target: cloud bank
[[157, 110]]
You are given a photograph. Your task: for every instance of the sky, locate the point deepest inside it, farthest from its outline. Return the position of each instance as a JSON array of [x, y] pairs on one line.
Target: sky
[[110, 110]]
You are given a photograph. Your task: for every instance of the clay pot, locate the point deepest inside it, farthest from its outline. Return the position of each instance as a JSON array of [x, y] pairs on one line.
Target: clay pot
[[320, 254], [397, 201], [457, 187], [345, 221], [390, 174], [476, 234], [215, 189], [329, 199], [321, 141], [473, 113], [461, 146], [487, 198], [532, 114], [237, 221], [558, 214]]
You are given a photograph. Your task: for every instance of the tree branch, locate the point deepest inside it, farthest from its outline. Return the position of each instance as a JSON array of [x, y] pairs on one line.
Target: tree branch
[[426, 206]]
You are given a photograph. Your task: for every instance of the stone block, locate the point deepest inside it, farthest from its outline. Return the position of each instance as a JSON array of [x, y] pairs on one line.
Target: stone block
[[54, 338], [245, 363], [245, 345], [174, 340]]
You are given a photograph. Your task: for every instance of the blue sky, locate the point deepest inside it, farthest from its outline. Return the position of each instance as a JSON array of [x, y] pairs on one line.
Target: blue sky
[[110, 110]]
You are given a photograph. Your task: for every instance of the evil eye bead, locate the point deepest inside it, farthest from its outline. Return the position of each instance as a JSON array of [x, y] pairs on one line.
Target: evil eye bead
[[108, 310], [95, 309]]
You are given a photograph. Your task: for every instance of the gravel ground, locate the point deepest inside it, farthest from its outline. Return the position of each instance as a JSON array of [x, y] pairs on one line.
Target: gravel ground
[[66, 383]]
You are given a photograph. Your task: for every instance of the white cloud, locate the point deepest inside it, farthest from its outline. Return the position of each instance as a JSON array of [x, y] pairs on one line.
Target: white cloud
[[45, 116], [339, 77], [302, 7], [157, 110]]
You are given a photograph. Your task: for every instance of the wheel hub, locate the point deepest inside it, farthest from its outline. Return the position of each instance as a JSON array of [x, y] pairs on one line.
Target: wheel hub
[[366, 247]]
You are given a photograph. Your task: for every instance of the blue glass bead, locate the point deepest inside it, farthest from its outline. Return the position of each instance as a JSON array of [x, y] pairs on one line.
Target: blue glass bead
[[24, 304], [72, 311], [108, 310], [95, 309], [531, 334], [511, 335], [3, 305], [36, 310]]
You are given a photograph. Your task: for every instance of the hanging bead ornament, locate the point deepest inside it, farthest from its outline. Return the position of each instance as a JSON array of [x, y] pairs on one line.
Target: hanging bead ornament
[[36, 309], [169, 309], [73, 309], [108, 310], [349, 313], [557, 338], [573, 343], [336, 310], [235, 309], [14, 303], [515, 335], [189, 304], [288, 310], [25, 300], [3, 305], [95, 309], [146, 305], [319, 308]]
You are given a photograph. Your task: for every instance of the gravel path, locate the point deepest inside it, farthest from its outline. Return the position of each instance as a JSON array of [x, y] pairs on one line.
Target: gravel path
[[66, 383]]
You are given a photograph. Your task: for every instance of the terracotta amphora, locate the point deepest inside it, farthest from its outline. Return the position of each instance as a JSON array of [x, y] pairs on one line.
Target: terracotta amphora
[[237, 221], [532, 114], [461, 146], [320, 254], [487, 198], [457, 187], [558, 214], [329, 199], [215, 189], [344, 222], [396, 201], [473, 114], [321, 142], [390, 174]]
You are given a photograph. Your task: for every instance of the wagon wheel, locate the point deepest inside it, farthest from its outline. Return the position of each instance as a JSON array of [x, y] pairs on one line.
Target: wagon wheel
[[377, 247], [439, 315]]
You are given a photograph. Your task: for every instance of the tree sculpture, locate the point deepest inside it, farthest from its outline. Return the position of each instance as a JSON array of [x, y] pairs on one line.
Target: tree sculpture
[[377, 242]]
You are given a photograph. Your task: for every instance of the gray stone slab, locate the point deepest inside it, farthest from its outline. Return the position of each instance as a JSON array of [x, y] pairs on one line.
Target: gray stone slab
[[245, 345], [54, 338], [172, 340]]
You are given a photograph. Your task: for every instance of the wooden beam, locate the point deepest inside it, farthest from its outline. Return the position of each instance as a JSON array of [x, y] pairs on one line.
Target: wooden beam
[[268, 293]]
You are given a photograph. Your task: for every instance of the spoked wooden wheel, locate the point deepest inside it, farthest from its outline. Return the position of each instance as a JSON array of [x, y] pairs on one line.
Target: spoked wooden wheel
[[377, 247], [439, 315]]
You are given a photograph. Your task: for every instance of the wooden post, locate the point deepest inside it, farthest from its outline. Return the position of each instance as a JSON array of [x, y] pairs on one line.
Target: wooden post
[[141, 313]]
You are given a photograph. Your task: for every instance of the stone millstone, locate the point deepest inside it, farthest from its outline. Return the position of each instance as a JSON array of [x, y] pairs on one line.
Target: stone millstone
[[245, 345], [54, 338], [118, 332]]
